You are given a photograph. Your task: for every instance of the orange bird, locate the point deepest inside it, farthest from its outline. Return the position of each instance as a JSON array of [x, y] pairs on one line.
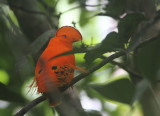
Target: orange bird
[[55, 72]]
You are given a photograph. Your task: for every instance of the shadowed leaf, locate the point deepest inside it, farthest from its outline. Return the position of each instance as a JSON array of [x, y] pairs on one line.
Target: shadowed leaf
[[120, 90], [6, 95], [147, 60], [116, 7]]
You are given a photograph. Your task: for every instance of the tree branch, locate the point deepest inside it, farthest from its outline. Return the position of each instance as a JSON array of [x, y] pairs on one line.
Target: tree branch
[[36, 101], [98, 66], [129, 70], [30, 105]]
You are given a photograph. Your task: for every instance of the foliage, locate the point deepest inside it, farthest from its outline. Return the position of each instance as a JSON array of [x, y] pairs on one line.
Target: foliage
[[26, 27], [121, 90]]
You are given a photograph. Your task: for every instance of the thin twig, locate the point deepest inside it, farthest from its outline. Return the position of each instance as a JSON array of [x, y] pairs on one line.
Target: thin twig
[[33, 103], [129, 70], [30, 105], [101, 64]]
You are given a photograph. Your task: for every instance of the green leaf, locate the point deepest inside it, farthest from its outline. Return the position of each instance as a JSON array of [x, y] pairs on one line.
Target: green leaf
[[72, 1], [93, 53], [116, 41], [121, 90], [6, 111], [84, 16], [91, 113], [126, 28], [50, 3], [128, 25], [7, 93], [110, 44], [116, 7], [147, 60]]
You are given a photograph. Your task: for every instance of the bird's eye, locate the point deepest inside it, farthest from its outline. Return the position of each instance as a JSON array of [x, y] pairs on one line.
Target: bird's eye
[[65, 36]]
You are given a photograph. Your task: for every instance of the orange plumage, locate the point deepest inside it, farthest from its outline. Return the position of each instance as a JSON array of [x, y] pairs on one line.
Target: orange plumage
[[58, 71]]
